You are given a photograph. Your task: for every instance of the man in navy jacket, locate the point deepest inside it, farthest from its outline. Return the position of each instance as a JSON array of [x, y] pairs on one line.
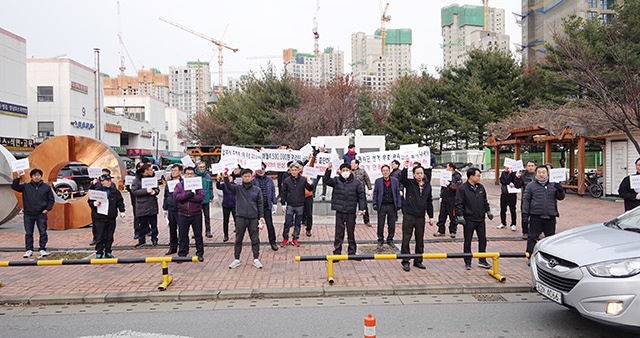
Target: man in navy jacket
[[386, 201]]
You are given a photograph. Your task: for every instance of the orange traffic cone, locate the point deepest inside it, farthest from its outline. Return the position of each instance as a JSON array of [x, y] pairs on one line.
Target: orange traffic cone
[[370, 327]]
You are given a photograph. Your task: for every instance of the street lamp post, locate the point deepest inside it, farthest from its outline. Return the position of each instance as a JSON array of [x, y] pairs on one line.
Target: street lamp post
[[157, 141]]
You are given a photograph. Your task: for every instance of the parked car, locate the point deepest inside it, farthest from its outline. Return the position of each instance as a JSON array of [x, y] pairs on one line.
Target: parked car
[[73, 181], [594, 270], [160, 174]]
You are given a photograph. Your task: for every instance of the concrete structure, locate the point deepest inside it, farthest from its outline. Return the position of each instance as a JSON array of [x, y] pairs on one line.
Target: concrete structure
[[314, 70], [463, 31], [147, 83], [14, 134], [369, 67], [190, 87], [541, 18]]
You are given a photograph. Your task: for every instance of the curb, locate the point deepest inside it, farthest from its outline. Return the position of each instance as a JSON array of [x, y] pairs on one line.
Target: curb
[[203, 295]]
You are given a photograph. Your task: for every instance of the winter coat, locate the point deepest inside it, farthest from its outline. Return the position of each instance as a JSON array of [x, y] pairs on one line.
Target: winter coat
[[396, 174], [36, 198], [228, 198], [416, 202], [265, 183], [169, 203], [378, 193], [348, 195], [524, 180], [542, 200], [249, 203], [116, 203], [362, 176], [448, 193], [293, 191], [628, 194], [472, 203], [189, 204], [207, 185], [506, 178], [146, 204]]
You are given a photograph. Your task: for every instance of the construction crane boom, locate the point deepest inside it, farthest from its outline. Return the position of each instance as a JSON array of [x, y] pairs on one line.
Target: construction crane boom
[[221, 45], [122, 66], [383, 31], [486, 14], [316, 35]]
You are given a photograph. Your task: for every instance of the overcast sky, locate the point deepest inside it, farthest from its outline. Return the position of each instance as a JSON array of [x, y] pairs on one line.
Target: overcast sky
[[257, 28]]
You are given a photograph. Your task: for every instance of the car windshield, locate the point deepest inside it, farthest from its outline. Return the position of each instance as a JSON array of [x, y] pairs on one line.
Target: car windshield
[[629, 221]]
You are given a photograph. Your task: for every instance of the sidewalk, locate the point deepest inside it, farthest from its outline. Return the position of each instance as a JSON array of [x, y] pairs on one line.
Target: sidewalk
[[281, 275]]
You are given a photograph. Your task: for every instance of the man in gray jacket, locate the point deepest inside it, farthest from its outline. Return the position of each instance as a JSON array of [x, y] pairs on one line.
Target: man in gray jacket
[[249, 208]]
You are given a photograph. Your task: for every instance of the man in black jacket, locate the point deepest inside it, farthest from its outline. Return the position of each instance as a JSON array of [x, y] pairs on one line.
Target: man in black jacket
[[540, 203], [520, 182], [418, 201], [347, 195], [292, 200], [448, 203], [170, 207], [146, 206], [471, 206], [37, 199], [631, 196], [105, 224]]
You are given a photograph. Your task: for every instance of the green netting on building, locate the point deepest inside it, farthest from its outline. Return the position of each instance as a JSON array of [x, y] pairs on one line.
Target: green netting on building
[[196, 63], [402, 36], [467, 15], [447, 13]]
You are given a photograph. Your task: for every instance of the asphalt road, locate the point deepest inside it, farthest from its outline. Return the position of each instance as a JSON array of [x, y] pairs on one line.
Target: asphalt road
[[489, 315]]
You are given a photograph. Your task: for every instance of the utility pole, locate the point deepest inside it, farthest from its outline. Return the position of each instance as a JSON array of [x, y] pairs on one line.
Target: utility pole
[[96, 52]]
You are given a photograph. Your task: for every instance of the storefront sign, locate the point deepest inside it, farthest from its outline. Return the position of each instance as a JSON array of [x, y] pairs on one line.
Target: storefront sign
[[21, 144], [13, 109], [79, 87], [146, 134], [113, 128], [138, 152], [119, 150], [82, 125]]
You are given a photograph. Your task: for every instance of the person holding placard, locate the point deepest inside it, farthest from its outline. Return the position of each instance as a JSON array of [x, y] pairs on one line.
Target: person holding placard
[[228, 203], [207, 186], [145, 191], [362, 177], [170, 207], [249, 215], [387, 202], [104, 221], [37, 201], [540, 204], [418, 201], [448, 192], [507, 198], [629, 189], [292, 198], [95, 184], [269, 202], [522, 180], [136, 222], [189, 215]]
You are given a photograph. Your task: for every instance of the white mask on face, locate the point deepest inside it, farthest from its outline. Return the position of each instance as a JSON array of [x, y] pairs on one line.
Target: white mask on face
[[345, 174]]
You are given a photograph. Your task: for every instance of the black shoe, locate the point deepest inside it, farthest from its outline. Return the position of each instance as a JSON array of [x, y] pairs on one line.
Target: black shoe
[[308, 232], [200, 258], [467, 266], [209, 235], [171, 252], [390, 243], [225, 238], [274, 247], [140, 243], [405, 266], [380, 245], [154, 242], [94, 242], [484, 265], [419, 266]]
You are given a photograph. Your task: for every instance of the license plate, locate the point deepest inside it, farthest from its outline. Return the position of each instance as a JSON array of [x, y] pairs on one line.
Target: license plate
[[549, 293]]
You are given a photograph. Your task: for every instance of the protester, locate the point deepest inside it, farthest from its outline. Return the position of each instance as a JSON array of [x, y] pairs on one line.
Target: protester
[[630, 196], [362, 176], [228, 203], [170, 208], [136, 222], [448, 203], [189, 215], [429, 169], [146, 206], [387, 202], [471, 207], [95, 183], [350, 155], [269, 202], [347, 197], [418, 201], [37, 201], [395, 173], [282, 174], [540, 204], [507, 199], [207, 186], [105, 224], [307, 212], [521, 182], [249, 213], [292, 200]]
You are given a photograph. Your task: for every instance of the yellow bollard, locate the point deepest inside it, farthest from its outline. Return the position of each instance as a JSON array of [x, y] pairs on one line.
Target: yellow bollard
[[495, 270], [330, 270], [166, 279]]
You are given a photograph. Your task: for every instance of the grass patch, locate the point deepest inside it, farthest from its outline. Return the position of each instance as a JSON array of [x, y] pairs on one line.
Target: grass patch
[[67, 255]]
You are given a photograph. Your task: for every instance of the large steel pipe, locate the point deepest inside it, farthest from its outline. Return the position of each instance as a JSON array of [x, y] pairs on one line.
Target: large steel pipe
[[9, 206]]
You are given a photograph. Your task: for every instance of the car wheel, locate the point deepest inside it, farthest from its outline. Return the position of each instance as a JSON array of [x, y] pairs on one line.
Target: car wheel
[[63, 191]]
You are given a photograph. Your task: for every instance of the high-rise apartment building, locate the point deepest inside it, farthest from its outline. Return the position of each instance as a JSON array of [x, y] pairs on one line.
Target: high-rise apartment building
[[311, 69], [377, 71], [147, 83], [463, 30], [542, 18], [190, 87]]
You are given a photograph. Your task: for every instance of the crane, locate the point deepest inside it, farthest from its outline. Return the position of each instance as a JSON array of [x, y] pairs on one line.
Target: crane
[[383, 31], [221, 45], [486, 14], [122, 67], [316, 36]]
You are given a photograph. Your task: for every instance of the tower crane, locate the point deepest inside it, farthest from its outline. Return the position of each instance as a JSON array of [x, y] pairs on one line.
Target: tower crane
[[122, 67], [221, 45], [486, 14], [316, 36], [383, 31]]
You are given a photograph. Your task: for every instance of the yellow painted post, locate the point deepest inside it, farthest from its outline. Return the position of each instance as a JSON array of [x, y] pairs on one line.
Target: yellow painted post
[[330, 270], [495, 271], [166, 279]]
